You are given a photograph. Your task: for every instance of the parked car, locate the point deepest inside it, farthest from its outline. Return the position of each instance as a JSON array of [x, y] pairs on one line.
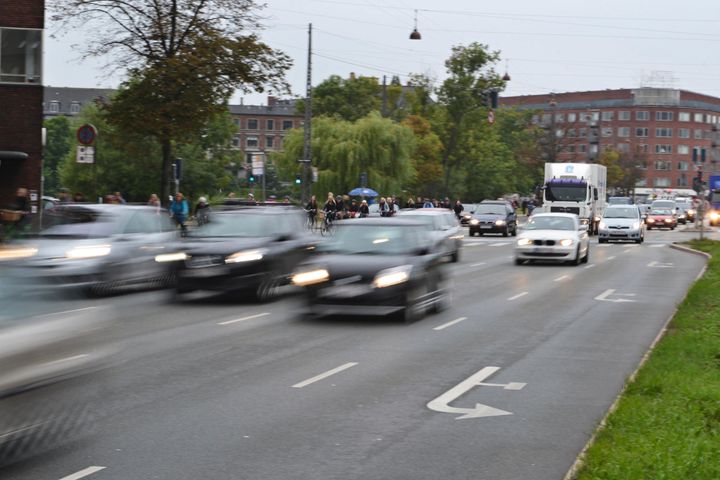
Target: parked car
[[661, 218], [248, 251], [97, 248], [553, 236], [494, 217], [444, 227], [375, 267], [621, 222]]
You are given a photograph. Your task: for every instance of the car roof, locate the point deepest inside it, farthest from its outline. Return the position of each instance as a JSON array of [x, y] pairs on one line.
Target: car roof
[[425, 211], [554, 214], [498, 202], [382, 221], [620, 205]]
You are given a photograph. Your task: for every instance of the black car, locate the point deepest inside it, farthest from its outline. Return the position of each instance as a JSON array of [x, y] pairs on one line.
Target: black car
[[375, 267], [248, 250], [494, 217]]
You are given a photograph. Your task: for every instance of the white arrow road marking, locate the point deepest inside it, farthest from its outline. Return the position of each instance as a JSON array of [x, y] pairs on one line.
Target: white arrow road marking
[[655, 264], [83, 473], [603, 296], [324, 375], [450, 324], [244, 318], [515, 297], [442, 403]]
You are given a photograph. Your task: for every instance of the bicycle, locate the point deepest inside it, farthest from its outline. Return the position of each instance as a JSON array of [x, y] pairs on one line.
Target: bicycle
[[327, 228], [310, 223]]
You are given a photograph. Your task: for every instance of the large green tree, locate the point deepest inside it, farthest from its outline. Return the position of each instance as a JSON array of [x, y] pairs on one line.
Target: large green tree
[[58, 143], [184, 59], [346, 98]]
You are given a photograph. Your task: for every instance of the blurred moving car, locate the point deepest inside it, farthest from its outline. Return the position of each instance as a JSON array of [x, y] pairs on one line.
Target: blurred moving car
[[689, 209], [661, 218], [94, 247], [681, 215], [553, 236], [621, 222], [466, 215], [375, 267], [444, 227], [249, 250], [494, 217]]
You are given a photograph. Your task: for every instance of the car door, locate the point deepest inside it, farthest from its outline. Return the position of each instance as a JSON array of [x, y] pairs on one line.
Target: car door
[[145, 235]]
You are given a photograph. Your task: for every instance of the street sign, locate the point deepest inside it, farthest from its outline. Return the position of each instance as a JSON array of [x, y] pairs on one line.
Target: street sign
[[491, 117], [86, 134], [85, 154], [258, 165]]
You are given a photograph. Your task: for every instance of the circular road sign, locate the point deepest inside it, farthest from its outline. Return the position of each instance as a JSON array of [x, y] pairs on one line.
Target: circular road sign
[[86, 134]]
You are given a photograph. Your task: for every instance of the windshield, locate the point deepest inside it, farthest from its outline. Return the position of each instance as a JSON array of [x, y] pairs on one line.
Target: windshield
[[238, 225], [661, 211], [619, 201], [550, 223], [621, 213], [78, 223], [490, 210], [375, 239], [669, 205], [565, 193]]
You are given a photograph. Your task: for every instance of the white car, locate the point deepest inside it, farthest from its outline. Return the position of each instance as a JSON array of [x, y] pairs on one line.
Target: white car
[[621, 222], [555, 237]]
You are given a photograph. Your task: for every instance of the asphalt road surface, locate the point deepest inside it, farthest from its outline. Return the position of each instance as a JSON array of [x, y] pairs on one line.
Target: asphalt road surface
[[509, 383]]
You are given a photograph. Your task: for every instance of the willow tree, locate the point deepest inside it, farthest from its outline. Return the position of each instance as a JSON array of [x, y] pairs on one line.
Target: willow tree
[[183, 60], [342, 150]]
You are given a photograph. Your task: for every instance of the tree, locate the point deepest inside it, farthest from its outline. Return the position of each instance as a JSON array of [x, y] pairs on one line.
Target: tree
[[184, 60], [427, 180], [58, 143], [624, 169], [349, 99]]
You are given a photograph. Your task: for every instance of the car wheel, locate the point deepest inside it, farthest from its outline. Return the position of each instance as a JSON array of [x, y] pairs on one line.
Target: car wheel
[[602, 240], [506, 232], [578, 258], [648, 228], [519, 261], [444, 290], [514, 231], [455, 257], [586, 258], [672, 228], [414, 308], [269, 287]]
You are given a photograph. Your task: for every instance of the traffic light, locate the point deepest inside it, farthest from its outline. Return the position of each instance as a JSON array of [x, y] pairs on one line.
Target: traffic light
[[698, 182], [298, 179], [251, 178]]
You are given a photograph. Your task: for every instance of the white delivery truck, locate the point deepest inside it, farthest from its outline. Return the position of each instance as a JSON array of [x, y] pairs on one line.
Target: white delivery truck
[[577, 188]]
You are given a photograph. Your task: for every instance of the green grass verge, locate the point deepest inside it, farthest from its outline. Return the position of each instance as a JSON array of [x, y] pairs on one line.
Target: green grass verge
[[667, 424]]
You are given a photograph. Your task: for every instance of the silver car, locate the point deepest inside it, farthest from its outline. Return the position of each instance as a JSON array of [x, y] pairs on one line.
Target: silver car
[[621, 222], [443, 226], [553, 236]]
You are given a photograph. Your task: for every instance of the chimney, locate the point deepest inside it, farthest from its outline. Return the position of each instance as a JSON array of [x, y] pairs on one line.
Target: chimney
[[272, 101]]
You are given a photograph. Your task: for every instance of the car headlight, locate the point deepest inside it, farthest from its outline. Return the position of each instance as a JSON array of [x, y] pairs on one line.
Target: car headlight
[[522, 242], [474, 221], [691, 212], [566, 242], [714, 216], [245, 256], [650, 220], [636, 225], [88, 251], [17, 253], [310, 277], [392, 276], [171, 257], [668, 220], [602, 226], [499, 223]]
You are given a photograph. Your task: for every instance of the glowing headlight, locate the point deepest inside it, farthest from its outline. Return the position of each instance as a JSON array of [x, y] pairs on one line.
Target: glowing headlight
[[522, 242], [602, 226], [474, 221], [88, 251], [650, 220], [16, 253], [171, 257], [566, 242], [392, 276], [636, 225], [714, 216], [668, 220], [246, 256], [499, 223], [311, 277], [691, 212]]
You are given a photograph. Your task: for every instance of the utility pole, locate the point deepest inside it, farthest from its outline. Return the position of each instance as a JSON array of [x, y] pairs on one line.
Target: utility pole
[[307, 145]]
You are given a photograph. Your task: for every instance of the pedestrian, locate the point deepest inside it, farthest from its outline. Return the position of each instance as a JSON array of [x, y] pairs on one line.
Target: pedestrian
[[458, 208], [312, 208], [530, 207], [286, 200], [383, 207], [446, 204], [410, 203], [524, 205], [354, 208], [179, 211], [19, 209], [251, 199], [427, 203], [64, 195], [154, 201], [341, 210], [202, 211], [364, 209], [119, 198]]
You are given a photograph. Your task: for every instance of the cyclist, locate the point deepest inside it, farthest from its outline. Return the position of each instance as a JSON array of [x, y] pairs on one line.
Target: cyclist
[[311, 208], [330, 208]]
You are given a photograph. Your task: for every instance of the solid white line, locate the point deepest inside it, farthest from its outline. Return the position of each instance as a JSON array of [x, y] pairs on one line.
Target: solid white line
[[244, 318], [450, 324], [515, 297], [324, 375], [561, 278], [83, 473], [473, 244], [67, 311], [477, 264]]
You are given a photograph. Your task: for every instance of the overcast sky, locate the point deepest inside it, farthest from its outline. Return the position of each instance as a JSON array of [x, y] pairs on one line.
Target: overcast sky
[[549, 46]]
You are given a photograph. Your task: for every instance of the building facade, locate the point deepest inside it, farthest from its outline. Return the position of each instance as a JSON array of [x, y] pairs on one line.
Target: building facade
[[70, 101], [21, 98], [666, 128]]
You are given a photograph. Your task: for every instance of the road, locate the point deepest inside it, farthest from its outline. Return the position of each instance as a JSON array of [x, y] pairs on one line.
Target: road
[[216, 389]]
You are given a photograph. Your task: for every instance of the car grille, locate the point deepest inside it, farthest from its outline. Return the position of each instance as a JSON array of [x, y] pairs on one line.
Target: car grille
[[575, 210], [548, 254], [200, 261], [618, 227], [544, 242]]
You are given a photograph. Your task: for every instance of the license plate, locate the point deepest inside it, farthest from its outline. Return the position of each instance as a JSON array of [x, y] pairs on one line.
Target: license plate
[[486, 227], [541, 250], [344, 291]]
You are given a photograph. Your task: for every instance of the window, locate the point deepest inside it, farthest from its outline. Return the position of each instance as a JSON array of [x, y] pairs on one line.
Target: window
[[287, 124], [252, 124], [560, 118], [236, 141], [663, 132], [582, 148], [570, 148], [662, 182], [684, 116], [582, 133], [546, 118], [608, 116], [662, 148], [570, 133], [624, 132], [535, 119], [585, 117], [269, 141], [698, 117], [624, 116], [682, 180], [642, 115], [683, 166], [20, 55], [623, 147], [572, 117], [664, 116], [698, 134], [270, 125], [684, 133], [54, 107], [251, 142], [236, 121], [595, 116], [641, 132], [643, 148], [683, 150], [663, 165], [607, 131], [74, 107], [708, 118]]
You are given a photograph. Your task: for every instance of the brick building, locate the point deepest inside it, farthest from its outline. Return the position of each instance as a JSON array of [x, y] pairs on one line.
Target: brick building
[[662, 126], [21, 97]]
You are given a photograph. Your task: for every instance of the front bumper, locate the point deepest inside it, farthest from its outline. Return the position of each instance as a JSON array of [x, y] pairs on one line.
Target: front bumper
[[355, 299], [488, 228], [619, 234], [533, 252], [222, 278]]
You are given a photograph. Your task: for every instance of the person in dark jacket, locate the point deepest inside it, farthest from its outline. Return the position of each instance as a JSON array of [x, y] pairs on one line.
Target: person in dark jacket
[[330, 208], [458, 208], [364, 209], [202, 211]]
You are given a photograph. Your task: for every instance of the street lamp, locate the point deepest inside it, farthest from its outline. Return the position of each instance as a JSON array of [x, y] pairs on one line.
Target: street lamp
[[415, 35]]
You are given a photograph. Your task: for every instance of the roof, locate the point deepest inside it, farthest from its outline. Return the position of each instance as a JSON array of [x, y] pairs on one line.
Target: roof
[[281, 110], [66, 96]]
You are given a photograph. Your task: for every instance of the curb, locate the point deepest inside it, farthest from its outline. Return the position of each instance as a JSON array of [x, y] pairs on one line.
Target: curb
[[580, 460]]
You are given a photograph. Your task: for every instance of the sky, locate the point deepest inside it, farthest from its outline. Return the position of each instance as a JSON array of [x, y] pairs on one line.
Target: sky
[[548, 46]]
